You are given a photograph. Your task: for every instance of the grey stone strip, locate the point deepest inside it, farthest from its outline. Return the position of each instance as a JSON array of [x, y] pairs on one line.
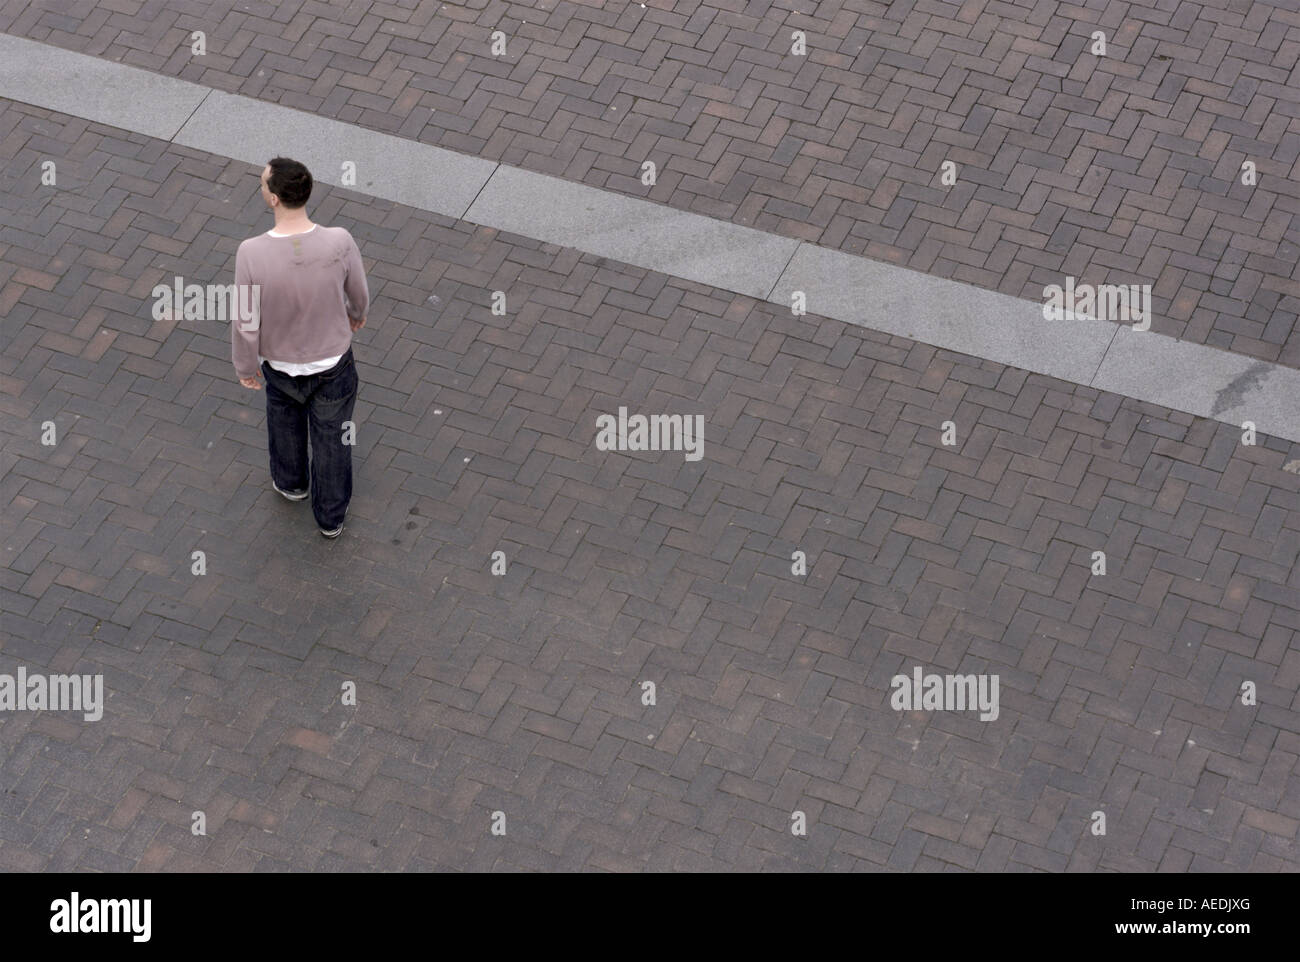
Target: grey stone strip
[[1192, 378], [944, 313], [413, 174], [1181, 375], [93, 89], [637, 232], [1203, 381]]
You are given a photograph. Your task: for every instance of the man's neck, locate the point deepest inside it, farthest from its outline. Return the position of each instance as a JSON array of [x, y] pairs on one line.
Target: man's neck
[[292, 225]]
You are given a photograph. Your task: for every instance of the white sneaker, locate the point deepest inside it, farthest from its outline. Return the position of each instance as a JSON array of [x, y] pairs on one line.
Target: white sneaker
[[292, 496]]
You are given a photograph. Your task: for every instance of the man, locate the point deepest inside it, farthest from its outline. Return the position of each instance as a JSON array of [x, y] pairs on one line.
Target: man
[[313, 296]]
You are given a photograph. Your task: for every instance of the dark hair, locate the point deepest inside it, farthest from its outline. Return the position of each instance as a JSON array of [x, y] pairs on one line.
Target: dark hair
[[290, 181]]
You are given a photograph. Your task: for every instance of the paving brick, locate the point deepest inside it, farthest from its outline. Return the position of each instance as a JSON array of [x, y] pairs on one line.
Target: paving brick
[[523, 693]]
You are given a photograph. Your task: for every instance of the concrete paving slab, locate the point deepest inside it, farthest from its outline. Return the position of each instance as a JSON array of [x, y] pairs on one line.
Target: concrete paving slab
[[633, 231], [944, 313], [109, 93], [1203, 381], [399, 170]]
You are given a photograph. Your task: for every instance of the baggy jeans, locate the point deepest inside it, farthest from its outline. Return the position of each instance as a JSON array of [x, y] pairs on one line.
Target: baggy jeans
[[315, 405]]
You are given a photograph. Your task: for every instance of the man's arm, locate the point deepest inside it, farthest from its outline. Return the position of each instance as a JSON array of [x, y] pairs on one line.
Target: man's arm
[[244, 326], [354, 287]]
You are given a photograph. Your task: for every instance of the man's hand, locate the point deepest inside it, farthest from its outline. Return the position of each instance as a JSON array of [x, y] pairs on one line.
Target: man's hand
[[251, 382], [356, 324]]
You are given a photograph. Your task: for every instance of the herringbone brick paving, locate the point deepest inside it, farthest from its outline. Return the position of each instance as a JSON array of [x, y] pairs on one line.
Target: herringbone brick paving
[[1122, 169], [523, 693]]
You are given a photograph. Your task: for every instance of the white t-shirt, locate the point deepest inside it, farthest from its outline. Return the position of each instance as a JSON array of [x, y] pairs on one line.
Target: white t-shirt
[[310, 367], [298, 370]]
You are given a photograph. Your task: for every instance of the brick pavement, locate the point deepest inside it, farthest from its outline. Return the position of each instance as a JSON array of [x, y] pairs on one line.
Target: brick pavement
[[1114, 170], [522, 693]]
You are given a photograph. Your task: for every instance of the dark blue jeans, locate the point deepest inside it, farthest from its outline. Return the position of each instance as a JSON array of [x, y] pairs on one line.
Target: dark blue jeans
[[315, 405]]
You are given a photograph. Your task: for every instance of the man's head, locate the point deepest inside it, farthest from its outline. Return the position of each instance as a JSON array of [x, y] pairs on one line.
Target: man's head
[[286, 184]]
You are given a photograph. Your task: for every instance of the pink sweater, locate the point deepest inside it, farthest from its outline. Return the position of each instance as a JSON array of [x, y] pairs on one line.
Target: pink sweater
[[310, 284]]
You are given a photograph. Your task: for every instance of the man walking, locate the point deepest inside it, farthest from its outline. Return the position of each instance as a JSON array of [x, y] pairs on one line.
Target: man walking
[[313, 296]]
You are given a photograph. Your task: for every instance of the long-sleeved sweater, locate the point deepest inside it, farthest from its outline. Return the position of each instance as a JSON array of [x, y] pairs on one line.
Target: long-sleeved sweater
[[310, 284]]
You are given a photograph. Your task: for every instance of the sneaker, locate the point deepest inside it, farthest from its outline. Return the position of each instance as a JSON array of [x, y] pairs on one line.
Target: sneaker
[[336, 531], [291, 495]]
